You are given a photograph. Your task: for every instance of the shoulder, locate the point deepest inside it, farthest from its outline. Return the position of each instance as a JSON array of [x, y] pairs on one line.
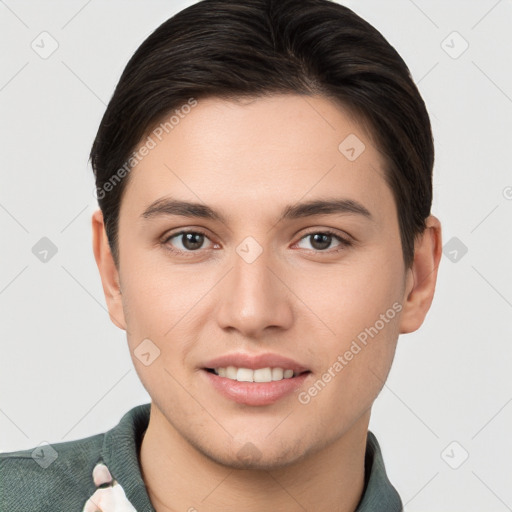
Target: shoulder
[[49, 476], [61, 476]]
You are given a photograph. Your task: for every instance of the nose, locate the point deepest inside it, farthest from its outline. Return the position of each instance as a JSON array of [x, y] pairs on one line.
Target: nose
[[254, 298]]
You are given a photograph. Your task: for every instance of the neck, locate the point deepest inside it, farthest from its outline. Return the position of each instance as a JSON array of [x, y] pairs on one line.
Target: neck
[[180, 478]]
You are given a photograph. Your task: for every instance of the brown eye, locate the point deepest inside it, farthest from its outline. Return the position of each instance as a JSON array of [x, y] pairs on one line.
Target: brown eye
[[322, 240], [186, 241], [192, 241]]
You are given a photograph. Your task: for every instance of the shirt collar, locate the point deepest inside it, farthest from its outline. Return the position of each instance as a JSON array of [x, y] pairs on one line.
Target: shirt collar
[[379, 494], [120, 453]]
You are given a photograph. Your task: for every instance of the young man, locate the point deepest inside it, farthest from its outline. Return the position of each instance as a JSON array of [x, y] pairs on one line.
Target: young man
[[264, 177]]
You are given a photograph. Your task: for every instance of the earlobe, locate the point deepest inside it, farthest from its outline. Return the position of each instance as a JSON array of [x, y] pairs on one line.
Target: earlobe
[[108, 272], [422, 277]]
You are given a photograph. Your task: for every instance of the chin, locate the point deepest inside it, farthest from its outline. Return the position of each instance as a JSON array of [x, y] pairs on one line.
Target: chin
[[256, 457]]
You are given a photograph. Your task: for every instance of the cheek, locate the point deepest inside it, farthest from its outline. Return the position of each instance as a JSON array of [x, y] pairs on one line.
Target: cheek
[[157, 296], [355, 367], [344, 300], [162, 304], [360, 312]]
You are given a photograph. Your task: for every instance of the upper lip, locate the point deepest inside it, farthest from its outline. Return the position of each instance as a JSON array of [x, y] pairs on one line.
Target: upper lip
[[255, 361]]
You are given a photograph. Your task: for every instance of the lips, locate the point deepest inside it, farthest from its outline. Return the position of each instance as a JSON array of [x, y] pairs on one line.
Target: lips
[[236, 377]]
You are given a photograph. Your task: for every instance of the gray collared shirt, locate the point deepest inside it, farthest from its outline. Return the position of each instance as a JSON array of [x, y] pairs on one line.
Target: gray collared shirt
[[379, 494], [60, 476]]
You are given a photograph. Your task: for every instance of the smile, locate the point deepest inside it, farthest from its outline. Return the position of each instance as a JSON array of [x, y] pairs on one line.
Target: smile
[[258, 375]]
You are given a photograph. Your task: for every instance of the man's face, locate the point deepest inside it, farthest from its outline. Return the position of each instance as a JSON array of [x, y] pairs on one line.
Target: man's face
[[257, 284]]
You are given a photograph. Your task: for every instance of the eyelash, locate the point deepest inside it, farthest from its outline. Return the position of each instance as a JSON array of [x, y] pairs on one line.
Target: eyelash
[[344, 243]]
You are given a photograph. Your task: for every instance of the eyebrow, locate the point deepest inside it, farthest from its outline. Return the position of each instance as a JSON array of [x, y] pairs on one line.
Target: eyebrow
[[169, 206]]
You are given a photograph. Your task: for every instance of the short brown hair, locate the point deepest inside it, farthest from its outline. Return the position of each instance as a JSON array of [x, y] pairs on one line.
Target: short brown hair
[[250, 48]]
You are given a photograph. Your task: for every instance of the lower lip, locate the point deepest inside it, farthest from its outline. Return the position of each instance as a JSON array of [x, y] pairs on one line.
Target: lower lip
[[255, 393]]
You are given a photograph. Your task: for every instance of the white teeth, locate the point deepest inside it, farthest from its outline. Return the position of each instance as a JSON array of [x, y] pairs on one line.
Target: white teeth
[[277, 373], [231, 372], [260, 375], [245, 375]]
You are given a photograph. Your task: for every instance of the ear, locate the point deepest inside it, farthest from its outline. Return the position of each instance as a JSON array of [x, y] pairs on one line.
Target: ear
[[108, 271], [422, 277]]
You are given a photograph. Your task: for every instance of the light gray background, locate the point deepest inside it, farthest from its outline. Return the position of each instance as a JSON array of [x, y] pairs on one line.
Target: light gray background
[[65, 369]]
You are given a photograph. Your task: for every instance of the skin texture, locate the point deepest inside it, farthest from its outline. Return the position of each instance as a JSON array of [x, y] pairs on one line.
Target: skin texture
[[302, 300]]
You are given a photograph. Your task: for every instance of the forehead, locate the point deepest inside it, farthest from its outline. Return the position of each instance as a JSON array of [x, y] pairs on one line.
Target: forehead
[[270, 150]]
